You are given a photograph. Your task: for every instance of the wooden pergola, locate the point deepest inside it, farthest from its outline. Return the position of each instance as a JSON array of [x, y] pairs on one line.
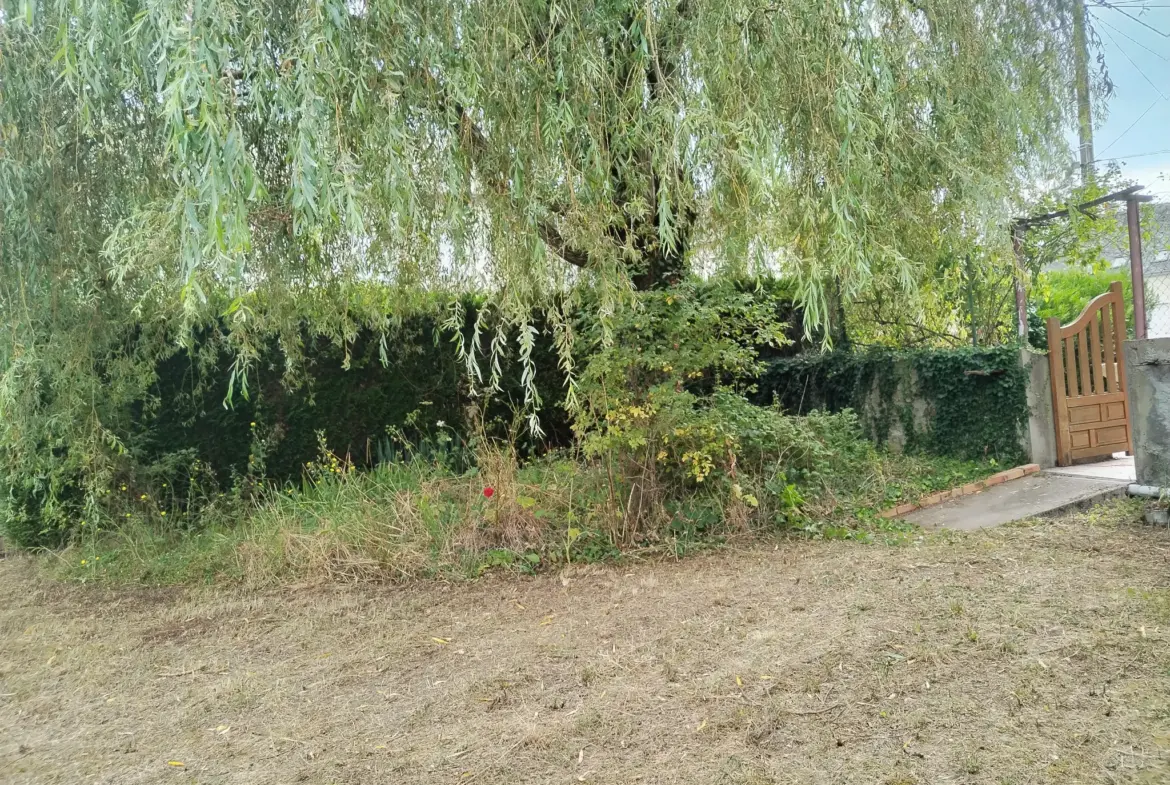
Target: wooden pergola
[[1132, 199]]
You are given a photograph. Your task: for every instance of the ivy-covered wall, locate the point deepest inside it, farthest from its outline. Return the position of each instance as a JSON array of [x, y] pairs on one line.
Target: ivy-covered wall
[[967, 403]]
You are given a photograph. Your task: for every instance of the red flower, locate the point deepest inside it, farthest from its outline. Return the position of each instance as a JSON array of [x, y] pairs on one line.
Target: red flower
[[489, 492]]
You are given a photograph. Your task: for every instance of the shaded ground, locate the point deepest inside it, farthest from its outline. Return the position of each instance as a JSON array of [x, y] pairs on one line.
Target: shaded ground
[[1026, 654]]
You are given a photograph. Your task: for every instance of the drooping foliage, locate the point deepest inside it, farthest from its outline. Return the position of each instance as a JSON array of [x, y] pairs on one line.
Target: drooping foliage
[[301, 171], [967, 295], [214, 154]]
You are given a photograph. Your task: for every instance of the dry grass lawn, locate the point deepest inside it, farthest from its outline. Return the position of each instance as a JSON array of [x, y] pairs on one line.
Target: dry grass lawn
[[1029, 654]]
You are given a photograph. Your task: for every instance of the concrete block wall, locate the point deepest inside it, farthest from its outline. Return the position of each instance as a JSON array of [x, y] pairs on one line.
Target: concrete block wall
[[1040, 440], [1147, 371]]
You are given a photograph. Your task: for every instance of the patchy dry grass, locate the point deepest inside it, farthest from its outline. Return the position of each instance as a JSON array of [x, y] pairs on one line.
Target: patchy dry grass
[[1029, 654]]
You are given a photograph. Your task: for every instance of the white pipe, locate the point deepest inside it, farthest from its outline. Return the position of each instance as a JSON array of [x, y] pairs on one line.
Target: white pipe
[[1148, 491]]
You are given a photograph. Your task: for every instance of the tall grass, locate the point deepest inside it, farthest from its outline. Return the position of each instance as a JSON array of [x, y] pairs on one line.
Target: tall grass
[[400, 521], [421, 518]]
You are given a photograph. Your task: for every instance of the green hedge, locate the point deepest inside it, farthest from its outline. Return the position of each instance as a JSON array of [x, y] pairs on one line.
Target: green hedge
[[182, 431], [421, 389], [972, 401], [354, 406], [178, 416]]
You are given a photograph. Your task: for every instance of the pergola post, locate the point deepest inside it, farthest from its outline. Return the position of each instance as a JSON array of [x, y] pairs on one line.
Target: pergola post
[[1133, 216], [1018, 278], [1136, 273]]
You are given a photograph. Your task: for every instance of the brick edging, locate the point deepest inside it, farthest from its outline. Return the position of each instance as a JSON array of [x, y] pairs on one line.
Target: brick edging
[[962, 490]]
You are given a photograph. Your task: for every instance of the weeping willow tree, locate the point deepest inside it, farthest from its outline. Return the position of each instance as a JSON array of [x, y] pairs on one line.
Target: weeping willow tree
[[261, 168]]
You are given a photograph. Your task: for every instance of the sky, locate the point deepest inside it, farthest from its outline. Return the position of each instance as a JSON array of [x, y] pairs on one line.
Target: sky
[[1135, 38]]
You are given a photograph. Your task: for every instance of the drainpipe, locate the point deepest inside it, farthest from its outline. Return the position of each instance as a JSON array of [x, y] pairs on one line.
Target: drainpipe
[[1147, 491]]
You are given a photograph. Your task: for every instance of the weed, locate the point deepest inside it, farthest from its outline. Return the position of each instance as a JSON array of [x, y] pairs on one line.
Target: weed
[[429, 514]]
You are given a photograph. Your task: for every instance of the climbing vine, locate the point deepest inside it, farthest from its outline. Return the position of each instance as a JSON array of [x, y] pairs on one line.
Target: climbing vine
[[967, 403]]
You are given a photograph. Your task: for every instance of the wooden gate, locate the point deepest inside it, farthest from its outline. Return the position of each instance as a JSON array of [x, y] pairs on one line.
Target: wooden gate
[[1089, 401]]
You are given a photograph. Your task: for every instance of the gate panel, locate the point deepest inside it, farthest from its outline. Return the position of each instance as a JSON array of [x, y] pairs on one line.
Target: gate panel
[[1089, 402]]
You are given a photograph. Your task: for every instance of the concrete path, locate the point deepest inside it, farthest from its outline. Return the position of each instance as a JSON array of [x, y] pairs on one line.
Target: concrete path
[[1037, 494], [1120, 468]]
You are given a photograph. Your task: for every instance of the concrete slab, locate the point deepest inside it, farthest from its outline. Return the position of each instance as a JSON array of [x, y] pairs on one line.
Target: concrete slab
[[1037, 494], [1120, 469]]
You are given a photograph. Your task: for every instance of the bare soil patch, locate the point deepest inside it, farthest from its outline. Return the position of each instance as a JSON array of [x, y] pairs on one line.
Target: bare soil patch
[[1027, 654]]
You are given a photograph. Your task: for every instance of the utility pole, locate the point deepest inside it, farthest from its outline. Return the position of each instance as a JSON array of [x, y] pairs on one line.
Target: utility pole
[[971, 302], [1084, 108], [1085, 133]]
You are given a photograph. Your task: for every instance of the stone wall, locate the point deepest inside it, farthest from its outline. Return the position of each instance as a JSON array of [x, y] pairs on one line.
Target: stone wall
[[1037, 440]]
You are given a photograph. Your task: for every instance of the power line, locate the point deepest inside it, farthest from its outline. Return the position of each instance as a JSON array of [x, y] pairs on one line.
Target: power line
[[1135, 155], [1162, 96], [1123, 12], [1125, 54], [1131, 38], [1130, 128]]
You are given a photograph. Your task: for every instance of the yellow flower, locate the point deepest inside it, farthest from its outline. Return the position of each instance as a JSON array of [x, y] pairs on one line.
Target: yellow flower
[[144, 497], [251, 425], [83, 562], [163, 513]]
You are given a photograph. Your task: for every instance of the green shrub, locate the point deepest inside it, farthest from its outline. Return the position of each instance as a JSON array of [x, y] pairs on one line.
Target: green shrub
[[664, 412], [1065, 293], [169, 456], [356, 392], [41, 510]]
